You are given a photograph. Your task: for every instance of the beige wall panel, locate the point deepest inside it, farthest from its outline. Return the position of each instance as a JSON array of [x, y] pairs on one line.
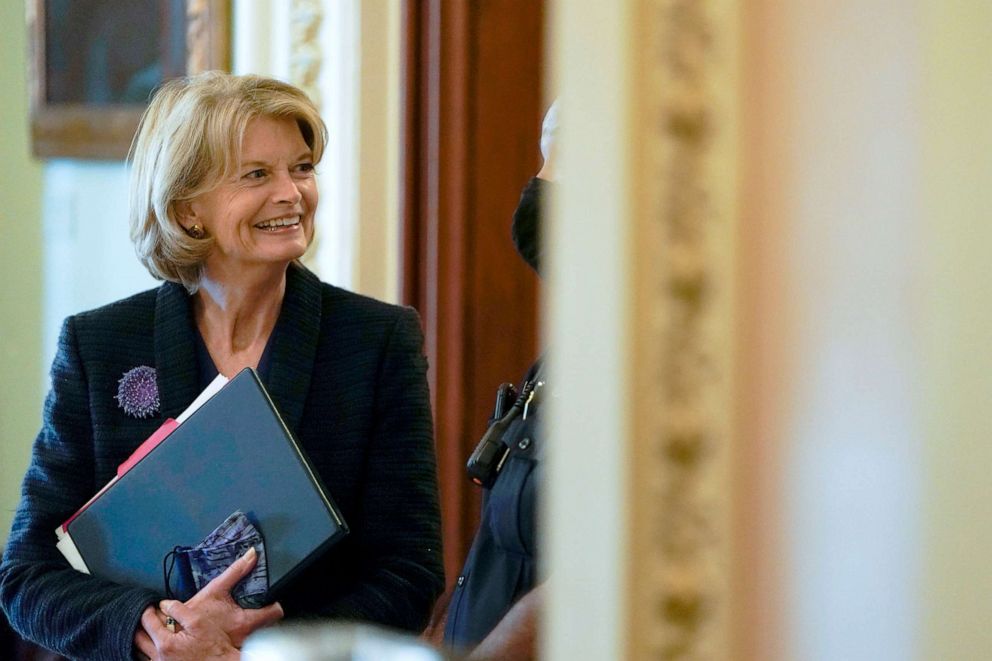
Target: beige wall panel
[[20, 268], [957, 322]]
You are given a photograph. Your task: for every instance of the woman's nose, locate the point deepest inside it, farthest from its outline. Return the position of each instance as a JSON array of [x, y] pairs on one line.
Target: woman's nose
[[286, 189]]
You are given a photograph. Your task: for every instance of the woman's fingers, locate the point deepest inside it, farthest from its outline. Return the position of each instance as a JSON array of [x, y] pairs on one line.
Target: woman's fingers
[[213, 610], [187, 615], [144, 644], [263, 617], [200, 634], [238, 570], [153, 626], [178, 611]]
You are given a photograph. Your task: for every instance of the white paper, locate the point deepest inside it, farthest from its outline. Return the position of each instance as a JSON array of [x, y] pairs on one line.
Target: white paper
[[207, 393], [69, 550]]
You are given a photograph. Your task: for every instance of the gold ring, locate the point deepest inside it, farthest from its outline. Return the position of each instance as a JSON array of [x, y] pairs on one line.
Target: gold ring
[[170, 624]]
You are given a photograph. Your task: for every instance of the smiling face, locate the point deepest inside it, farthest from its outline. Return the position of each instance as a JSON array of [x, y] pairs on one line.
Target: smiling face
[[263, 215]]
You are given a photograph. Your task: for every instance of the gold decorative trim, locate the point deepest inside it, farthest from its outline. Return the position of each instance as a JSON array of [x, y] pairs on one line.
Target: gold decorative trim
[[684, 168]]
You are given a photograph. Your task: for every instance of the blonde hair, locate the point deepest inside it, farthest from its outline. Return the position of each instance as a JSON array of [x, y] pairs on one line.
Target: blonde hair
[[188, 142]]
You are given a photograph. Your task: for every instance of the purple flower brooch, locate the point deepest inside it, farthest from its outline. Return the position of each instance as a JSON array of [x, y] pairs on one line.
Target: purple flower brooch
[[137, 392]]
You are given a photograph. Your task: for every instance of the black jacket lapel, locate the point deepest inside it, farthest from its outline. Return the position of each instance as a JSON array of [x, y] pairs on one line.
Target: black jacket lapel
[[295, 345], [175, 352]]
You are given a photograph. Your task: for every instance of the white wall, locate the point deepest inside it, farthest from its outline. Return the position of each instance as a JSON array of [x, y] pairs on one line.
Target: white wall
[[850, 175], [88, 256], [586, 309]]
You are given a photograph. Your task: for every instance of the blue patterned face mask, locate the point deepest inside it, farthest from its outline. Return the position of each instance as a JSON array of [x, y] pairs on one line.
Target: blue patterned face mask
[[187, 569]]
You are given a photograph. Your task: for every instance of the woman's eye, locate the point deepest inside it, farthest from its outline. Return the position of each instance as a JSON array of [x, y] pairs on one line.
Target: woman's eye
[[255, 174], [304, 168]]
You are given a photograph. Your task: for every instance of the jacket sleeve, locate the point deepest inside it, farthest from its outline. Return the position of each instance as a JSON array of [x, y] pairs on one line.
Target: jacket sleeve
[[45, 599], [402, 571]]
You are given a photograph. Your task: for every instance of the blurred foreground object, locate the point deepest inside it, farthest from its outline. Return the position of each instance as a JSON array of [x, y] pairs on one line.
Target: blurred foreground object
[[336, 642]]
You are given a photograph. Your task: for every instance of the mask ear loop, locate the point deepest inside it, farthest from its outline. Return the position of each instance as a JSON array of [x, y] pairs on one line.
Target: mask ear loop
[[168, 565]]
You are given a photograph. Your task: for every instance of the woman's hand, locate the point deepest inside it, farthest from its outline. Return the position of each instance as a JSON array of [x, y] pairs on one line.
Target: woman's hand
[[213, 606], [211, 625]]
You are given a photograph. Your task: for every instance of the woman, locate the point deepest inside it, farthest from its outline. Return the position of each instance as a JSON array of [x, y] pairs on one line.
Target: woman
[[223, 197]]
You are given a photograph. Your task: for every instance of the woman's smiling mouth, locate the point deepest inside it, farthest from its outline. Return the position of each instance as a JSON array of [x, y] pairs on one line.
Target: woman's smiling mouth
[[277, 224]]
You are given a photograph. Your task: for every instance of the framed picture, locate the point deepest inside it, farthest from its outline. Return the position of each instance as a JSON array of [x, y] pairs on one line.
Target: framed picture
[[95, 63]]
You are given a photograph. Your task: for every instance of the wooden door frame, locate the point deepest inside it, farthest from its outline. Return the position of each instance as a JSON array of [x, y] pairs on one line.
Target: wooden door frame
[[472, 104]]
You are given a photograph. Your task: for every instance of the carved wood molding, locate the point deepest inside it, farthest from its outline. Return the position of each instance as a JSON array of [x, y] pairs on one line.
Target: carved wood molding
[[679, 596]]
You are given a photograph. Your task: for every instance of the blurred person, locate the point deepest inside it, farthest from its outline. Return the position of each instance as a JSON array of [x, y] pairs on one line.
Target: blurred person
[[493, 609], [223, 196]]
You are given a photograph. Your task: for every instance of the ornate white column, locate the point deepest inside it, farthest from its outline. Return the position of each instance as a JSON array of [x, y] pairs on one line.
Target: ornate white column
[[306, 56], [305, 61]]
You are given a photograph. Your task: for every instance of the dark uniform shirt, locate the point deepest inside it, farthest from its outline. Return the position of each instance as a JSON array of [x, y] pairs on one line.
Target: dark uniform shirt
[[502, 564]]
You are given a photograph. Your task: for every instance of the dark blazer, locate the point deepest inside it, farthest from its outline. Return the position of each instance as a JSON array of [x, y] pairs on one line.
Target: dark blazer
[[349, 377]]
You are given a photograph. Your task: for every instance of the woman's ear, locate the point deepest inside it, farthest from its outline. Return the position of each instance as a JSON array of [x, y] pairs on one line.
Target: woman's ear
[[183, 211], [186, 216]]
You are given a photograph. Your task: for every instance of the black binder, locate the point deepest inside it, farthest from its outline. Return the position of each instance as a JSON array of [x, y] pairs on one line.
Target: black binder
[[233, 453]]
